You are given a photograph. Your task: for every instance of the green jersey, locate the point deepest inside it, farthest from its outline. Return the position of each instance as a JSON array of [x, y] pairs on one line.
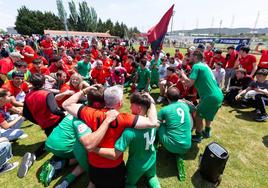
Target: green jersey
[[143, 76], [176, 117], [83, 68], [65, 134], [205, 82], [142, 154], [27, 74]]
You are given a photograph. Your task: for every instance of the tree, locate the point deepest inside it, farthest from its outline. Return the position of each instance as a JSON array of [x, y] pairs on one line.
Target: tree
[[87, 17], [62, 13], [74, 17], [35, 22]]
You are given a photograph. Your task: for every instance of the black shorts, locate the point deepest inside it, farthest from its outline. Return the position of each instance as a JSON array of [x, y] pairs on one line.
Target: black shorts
[[108, 177]]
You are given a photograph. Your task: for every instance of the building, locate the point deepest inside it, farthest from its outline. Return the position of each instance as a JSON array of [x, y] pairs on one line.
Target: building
[[55, 33]]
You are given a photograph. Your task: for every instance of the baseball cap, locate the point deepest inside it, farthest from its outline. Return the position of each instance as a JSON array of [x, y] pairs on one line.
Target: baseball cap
[[263, 72], [16, 54], [113, 96]]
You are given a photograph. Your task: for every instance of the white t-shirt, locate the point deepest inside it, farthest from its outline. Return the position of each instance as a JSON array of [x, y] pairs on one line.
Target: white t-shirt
[[162, 71]]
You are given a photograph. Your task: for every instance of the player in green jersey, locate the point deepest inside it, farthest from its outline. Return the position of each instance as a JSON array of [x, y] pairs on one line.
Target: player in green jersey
[[142, 154], [175, 128], [210, 94]]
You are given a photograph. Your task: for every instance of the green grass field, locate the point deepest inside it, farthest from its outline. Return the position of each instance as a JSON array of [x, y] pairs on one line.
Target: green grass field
[[246, 141]]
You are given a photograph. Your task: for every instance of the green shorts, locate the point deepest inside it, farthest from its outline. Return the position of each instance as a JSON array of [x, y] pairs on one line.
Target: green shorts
[[134, 175], [209, 106], [169, 144], [80, 155]]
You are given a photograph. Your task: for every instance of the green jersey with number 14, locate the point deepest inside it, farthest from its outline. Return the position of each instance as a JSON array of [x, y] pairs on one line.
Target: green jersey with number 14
[[142, 154]]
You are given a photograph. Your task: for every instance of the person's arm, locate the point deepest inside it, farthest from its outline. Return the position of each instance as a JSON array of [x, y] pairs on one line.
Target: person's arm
[[71, 106], [90, 141], [151, 119], [257, 48], [109, 153], [263, 91], [238, 96], [189, 82], [15, 102], [236, 65], [53, 106], [254, 69], [60, 96], [7, 125]]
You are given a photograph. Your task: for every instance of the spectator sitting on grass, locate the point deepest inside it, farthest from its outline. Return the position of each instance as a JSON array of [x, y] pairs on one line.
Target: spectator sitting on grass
[[256, 94]]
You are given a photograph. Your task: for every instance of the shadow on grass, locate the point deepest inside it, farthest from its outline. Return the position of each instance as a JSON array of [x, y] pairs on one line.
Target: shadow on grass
[[199, 182], [166, 164], [20, 150], [192, 153], [265, 140], [245, 115]]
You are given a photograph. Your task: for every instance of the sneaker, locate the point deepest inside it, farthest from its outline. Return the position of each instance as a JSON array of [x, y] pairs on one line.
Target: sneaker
[[206, 134], [8, 167], [160, 98], [262, 117], [181, 169], [47, 173], [63, 184], [27, 161], [196, 138], [24, 135]]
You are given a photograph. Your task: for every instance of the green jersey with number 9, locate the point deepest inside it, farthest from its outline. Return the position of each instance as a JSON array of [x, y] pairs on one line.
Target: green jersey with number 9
[[177, 124], [142, 154]]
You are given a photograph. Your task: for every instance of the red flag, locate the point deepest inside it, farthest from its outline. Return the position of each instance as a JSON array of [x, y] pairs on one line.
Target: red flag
[[161, 28]]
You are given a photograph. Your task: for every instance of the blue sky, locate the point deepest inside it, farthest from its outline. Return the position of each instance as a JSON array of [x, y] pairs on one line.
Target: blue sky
[[145, 13]]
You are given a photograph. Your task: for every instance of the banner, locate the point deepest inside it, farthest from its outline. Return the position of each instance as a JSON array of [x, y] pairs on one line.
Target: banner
[[223, 40]]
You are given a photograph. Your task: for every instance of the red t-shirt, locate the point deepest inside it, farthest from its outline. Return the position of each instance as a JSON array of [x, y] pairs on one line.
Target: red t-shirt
[[232, 59], [53, 68], [208, 55], [100, 75], [247, 62], [93, 118], [29, 50], [128, 67], [264, 58], [173, 78], [95, 53], [6, 65], [216, 60], [43, 70], [47, 44], [15, 90], [107, 62]]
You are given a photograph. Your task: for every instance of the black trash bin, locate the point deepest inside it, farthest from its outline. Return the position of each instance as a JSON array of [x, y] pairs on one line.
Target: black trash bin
[[213, 162]]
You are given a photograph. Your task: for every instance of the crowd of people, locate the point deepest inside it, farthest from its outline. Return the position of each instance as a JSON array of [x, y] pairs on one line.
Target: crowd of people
[[73, 89]]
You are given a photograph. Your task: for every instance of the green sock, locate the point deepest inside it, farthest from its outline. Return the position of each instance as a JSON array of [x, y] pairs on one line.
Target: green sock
[[181, 168], [207, 129], [70, 178], [154, 183]]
